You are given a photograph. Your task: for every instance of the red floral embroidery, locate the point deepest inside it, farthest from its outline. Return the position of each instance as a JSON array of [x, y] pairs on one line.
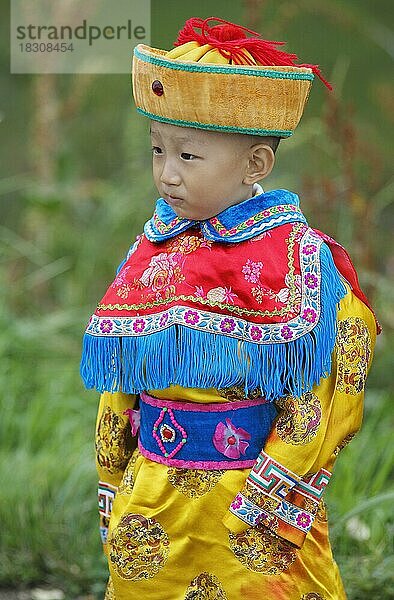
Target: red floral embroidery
[[166, 273]]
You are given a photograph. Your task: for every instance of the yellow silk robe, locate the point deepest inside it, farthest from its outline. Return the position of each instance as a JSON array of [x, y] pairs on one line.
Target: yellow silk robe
[[168, 532]]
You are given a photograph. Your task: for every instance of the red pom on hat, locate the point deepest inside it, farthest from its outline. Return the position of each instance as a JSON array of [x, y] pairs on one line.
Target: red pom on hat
[[231, 40], [228, 32]]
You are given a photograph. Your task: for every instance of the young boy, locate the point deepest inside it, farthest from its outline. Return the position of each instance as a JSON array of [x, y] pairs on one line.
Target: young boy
[[234, 339]]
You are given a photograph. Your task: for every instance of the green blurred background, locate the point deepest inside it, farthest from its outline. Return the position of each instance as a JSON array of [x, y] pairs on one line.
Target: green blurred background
[[76, 187]]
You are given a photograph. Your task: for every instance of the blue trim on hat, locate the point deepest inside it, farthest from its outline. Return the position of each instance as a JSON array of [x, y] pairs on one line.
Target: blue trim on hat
[[179, 65], [224, 128]]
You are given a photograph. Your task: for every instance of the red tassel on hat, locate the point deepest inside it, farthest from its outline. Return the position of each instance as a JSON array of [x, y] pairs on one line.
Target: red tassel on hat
[[231, 40]]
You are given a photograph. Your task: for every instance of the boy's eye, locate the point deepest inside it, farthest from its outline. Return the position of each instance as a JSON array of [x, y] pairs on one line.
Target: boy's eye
[[187, 156], [156, 150]]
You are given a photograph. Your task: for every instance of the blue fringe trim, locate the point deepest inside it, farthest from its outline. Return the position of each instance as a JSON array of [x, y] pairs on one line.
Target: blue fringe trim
[[196, 359]]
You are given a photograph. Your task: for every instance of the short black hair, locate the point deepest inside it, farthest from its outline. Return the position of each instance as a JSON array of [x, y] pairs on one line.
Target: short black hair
[[272, 141]]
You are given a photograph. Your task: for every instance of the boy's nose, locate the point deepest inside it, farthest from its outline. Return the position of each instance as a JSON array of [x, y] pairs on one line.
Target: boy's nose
[[169, 175]]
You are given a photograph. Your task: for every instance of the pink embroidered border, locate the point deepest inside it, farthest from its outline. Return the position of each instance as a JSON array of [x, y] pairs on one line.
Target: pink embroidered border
[[196, 407], [198, 464]]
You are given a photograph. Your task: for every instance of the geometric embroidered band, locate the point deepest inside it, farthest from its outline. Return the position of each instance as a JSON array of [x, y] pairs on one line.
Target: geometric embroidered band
[[314, 487], [268, 480], [106, 495], [226, 435], [271, 477]]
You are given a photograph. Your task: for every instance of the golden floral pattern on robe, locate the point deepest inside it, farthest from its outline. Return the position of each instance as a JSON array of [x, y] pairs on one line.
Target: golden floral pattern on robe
[[109, 591], [113, 441], [193, 483], [299, 419], [321, 514], [237, 392], [344, 443], [138, 547], [127, 483], [353, 351], [262, 551], [310, 506], [205, 587], [259, 563]]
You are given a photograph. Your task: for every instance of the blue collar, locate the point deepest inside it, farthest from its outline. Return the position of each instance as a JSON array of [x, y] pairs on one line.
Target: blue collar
[[237, 223]]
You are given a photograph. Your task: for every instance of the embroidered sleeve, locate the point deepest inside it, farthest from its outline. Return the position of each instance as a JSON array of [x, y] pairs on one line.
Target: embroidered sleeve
[[114, 447], [284, 489]]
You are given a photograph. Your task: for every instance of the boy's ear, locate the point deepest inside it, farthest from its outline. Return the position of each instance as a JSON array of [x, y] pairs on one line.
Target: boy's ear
[[260, 163]]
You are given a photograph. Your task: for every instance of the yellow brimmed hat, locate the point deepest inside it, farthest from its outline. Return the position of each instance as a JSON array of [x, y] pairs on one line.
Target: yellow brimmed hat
[[222, 80]]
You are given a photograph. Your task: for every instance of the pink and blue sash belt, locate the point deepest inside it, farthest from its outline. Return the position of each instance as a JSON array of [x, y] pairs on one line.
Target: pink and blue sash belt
[[189, 435]]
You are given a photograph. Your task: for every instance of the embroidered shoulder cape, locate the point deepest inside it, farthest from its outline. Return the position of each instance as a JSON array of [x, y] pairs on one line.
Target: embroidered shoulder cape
[[248, 297]]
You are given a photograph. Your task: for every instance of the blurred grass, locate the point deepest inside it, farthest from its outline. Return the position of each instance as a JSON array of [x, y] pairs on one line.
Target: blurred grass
[[360, 499], [70, 207]]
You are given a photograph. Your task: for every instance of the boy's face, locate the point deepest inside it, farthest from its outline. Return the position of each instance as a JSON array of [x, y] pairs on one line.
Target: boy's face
[[199, 173]]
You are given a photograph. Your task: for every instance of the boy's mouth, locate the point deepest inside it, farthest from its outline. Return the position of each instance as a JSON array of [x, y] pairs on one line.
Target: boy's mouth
[[172, 200]]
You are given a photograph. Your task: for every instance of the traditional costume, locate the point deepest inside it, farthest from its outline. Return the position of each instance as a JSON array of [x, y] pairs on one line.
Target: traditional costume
[[237, 348]]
